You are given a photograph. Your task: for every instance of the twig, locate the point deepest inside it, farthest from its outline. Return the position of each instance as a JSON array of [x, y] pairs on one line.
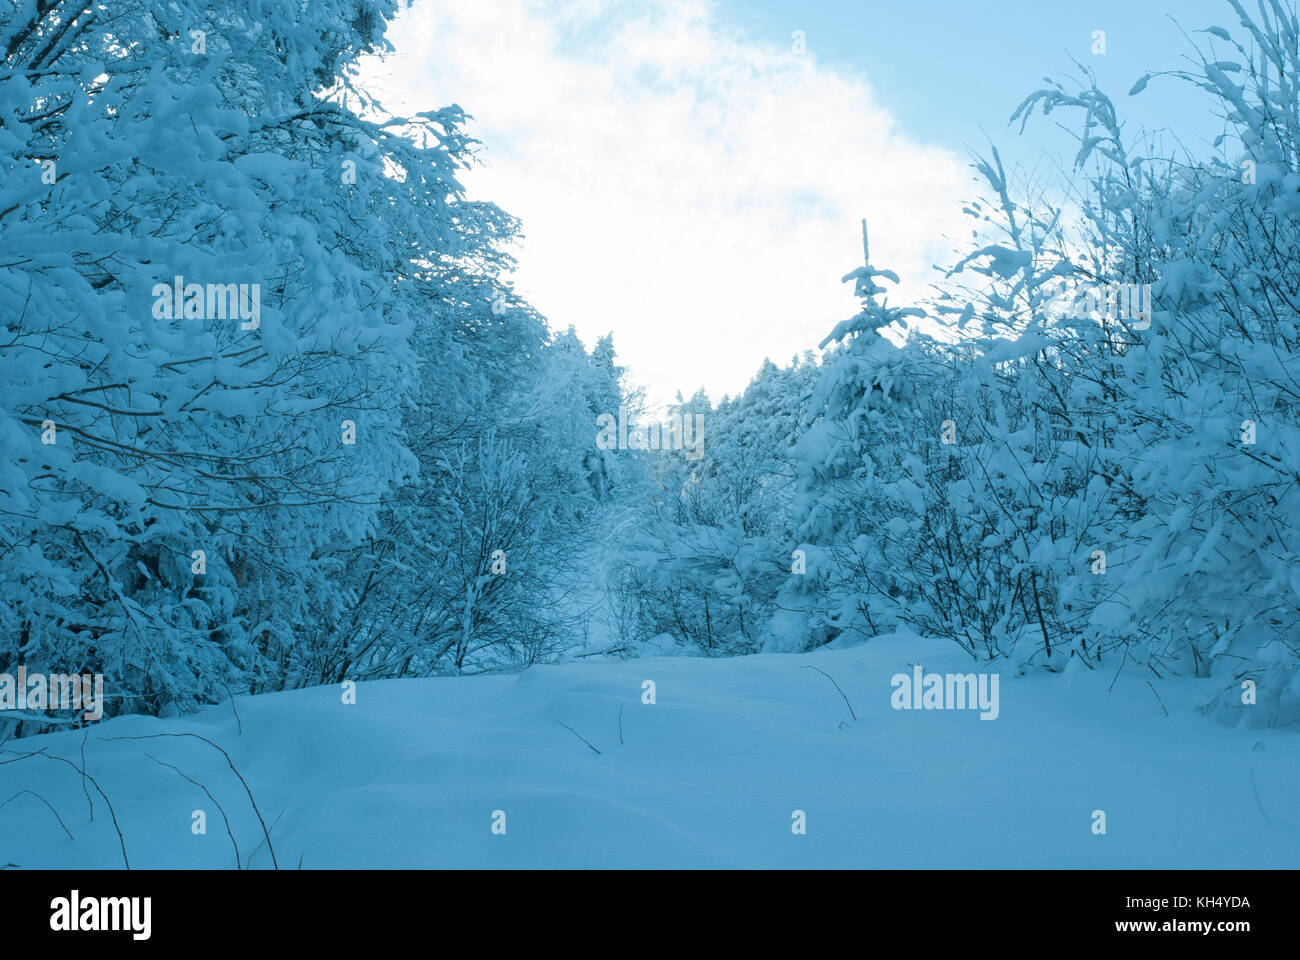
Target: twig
[[1161, 702], [89, 802], [1038, 606], [230, 763], [1255, 790], [260, 842], [576, 734], [24, 756], [220, 809], [1117, 672], [93, 782], [837, 687], [235, 709], [621, 705], [595, 653], [47, 803]]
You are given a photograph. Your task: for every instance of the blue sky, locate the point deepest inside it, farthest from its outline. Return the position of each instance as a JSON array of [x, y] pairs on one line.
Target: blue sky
[[690, 182], [950, 70]]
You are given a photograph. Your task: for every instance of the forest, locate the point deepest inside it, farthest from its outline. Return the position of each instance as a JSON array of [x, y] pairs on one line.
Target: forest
[[274, 416]]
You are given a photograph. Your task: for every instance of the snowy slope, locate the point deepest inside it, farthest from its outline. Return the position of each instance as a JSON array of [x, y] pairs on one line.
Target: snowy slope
[[708, 776]]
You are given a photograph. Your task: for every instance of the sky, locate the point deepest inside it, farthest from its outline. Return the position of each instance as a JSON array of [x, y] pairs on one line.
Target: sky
[[691, 175]]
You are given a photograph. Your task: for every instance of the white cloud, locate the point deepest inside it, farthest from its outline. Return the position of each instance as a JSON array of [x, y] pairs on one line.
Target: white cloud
[[690, 189]]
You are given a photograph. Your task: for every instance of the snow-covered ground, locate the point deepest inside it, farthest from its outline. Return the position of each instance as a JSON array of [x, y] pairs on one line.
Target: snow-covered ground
[[707, 776]]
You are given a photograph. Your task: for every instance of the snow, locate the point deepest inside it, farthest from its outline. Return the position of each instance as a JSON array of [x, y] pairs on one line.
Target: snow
[[707, 776], [397, 475]]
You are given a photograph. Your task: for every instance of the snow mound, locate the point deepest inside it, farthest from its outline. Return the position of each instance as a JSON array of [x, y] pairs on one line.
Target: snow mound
[[580, 771]]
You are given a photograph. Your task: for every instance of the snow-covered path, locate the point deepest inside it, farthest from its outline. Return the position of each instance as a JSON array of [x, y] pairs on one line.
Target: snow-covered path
[[707, 776]]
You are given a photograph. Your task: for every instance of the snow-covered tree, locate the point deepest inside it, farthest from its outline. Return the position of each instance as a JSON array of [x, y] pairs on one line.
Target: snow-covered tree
[[227, 274]]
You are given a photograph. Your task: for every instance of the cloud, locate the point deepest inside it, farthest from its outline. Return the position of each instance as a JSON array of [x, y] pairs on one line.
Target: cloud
[[695, 191]]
